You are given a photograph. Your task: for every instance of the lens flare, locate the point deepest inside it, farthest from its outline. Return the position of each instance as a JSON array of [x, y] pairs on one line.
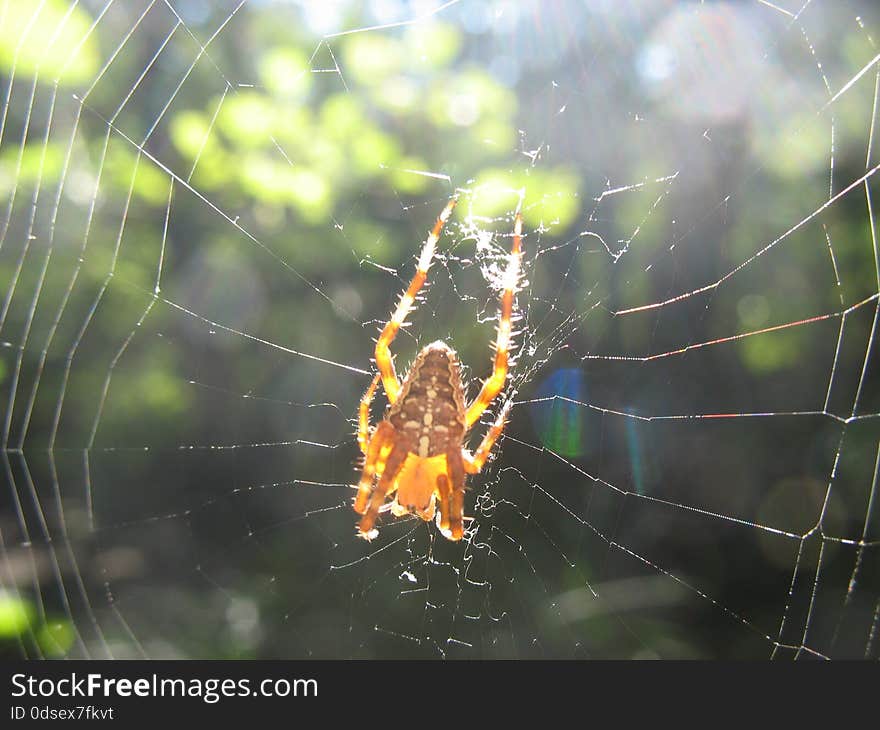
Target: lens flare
[[636, 460], [558, 413]]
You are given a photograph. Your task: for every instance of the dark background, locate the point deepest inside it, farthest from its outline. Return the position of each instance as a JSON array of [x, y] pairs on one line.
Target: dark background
[[209, 210]]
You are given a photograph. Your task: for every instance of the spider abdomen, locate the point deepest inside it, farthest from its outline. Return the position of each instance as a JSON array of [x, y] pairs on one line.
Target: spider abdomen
[[429, 414]]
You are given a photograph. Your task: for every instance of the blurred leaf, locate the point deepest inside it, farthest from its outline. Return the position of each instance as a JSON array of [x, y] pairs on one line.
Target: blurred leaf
[[311, 193], [38, 163], [342, 115], [468, 98], [370, 58], [151, 182], [56, 637], [190, 134], [293, 127], [286, 73], [551, 194], [15, 615], [753, 311], [770, 352], [398, 94], [153, 391], [432, 45], [372, 149], [406, 179], [497, 135], [247, 119], [794, 147], [124, 169], [54, 41], [264, 178]]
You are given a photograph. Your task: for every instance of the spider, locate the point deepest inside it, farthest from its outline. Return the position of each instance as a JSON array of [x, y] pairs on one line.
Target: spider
[[417, 451]]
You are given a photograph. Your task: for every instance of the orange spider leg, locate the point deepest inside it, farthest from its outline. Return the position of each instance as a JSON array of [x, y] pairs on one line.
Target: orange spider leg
[[379, 447], [383, 354], [364, 415], [390, 470], [452, 520], [444, 491], [495, 382], [473, 464]]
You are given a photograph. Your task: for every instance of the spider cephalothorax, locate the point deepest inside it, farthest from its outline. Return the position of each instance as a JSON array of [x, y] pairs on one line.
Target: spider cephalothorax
[[417, 451]]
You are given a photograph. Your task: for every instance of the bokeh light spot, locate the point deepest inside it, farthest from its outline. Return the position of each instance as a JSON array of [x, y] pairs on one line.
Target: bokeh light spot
[[559, 420]]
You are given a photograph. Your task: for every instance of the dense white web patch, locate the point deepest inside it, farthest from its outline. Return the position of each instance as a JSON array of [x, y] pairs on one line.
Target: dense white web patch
[[641, 504]]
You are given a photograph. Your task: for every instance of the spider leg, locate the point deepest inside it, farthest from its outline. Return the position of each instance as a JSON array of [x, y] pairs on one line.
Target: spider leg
[[473, 464], [444, 491], [495, 382], [364, 415], [376, 456], [390, 469], [451, 490], [383, 353]]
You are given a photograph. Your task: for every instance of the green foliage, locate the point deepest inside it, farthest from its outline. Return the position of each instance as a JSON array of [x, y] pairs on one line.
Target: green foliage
[[53, 42], [56, 637], [775, 351], [16, 615], [24, 167], [796, 148], [286, 74], [125, 168], [550, 194], [386, 128]]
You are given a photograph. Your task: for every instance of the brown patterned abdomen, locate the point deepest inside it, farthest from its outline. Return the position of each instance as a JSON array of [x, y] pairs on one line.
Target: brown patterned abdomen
[[429, 414]]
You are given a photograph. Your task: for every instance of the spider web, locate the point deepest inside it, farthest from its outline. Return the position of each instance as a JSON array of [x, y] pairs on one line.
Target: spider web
[[197, 253]]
